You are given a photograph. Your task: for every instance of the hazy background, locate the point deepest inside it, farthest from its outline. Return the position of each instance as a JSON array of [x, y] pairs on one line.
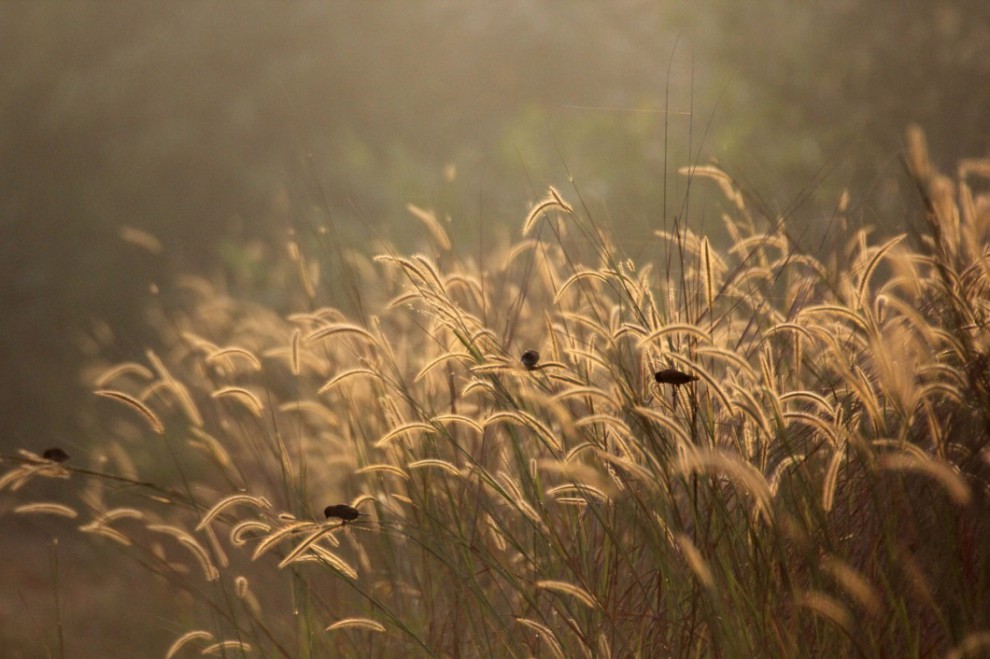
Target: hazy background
[[219, 127]]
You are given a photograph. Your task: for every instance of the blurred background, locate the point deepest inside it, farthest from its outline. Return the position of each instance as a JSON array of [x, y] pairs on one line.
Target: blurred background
[[140, 140]]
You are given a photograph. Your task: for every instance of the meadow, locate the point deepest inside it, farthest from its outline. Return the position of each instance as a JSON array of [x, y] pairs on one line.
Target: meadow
[[524, 482]]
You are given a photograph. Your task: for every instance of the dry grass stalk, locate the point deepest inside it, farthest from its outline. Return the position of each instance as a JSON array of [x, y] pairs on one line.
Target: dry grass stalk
[[833, 420]]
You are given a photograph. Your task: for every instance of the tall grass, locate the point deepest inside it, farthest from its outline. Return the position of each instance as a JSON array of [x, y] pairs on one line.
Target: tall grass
[[819, 490]]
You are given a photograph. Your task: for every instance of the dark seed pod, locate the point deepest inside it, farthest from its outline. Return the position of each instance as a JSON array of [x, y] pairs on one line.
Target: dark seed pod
[[55, 454], [342, 511], [673, 376], [530, 359]]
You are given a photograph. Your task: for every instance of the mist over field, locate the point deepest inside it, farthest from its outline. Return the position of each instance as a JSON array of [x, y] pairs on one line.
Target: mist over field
[[731, 192], [218, 130]]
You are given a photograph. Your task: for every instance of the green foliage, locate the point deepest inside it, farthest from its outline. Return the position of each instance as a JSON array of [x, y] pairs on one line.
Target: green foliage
[[814, 98]]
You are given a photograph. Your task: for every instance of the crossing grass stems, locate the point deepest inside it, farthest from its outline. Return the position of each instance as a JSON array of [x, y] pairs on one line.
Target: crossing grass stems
[[816, 487]]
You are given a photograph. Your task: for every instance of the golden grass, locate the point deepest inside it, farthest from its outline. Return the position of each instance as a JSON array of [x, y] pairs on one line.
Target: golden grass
[[185, 639], [134, 403], [820, 489], [356, 623], [578, 593], [46, 508], [553, 201]]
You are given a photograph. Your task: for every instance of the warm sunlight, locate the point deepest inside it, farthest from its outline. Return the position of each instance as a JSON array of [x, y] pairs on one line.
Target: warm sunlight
[[586, 329]]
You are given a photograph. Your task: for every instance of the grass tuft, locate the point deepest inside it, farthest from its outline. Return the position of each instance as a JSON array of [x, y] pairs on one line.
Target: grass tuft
[[807, 476]]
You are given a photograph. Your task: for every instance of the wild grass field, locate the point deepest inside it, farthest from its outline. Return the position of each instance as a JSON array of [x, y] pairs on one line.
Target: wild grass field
[[819, 489]]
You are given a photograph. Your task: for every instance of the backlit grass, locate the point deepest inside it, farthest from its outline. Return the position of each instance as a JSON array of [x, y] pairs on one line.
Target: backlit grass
[[818, 490]]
